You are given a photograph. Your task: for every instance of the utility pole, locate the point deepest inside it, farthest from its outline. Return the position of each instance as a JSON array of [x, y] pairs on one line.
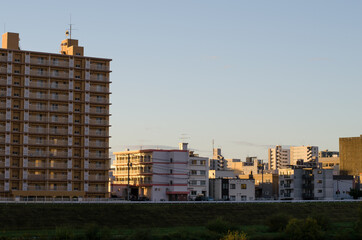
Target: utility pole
[[128, 166]]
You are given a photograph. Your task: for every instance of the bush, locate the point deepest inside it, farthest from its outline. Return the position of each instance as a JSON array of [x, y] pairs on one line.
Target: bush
[[219, 225], [235, 235], [323, 221], [308, 229], [64, 233], [278, 222]]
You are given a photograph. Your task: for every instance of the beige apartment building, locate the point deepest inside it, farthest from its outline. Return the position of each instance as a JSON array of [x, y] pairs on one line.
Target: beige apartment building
[[278, 157], [54, 122], [350, 150], [304, 153]]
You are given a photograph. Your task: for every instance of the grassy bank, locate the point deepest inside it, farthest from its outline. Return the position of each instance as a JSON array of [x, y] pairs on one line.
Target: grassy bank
[[127, 219]]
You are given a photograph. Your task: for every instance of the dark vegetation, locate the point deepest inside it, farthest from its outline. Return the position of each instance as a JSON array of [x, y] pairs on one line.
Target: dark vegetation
[[329, 220]]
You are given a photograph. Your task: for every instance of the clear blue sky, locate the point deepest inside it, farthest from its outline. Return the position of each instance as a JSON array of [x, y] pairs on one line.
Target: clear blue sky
[[248, 74]]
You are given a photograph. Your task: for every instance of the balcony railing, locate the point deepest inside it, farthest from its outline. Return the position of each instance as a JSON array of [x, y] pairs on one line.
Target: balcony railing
[[98, 166], [38, 84], [59, 86], [99, 78], [98, 144], [99, 67], [39, 73], [97, 155], [98, 133], [99, 89], [57, 177], [97, 189], [98, 111], [36, 177], [97, 178], [98, 100], [98, 122]]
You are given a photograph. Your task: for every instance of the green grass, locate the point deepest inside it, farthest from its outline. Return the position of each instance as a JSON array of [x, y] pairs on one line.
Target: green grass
[[163, 219]]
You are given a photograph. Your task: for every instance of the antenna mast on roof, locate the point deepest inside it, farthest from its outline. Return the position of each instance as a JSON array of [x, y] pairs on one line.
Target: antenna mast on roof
[[69, 31]]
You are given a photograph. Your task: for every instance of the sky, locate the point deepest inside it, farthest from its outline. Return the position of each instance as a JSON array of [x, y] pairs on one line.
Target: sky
[[246, 74]]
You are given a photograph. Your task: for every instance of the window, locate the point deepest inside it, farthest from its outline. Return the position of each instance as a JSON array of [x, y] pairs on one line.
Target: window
[[225, 186], [202, 162], [202, 183], [171, 171], [232, 198], [171, 160], [243, 198], [232, 186], [319, 181], [320, 191], [319, 171], [243, 186], [193, 172], [193, 182], [193, 193], [194, 162], [202, 172]]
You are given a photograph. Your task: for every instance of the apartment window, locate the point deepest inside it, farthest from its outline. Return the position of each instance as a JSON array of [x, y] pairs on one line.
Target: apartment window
[[193, 182], [202, 172], [16, 106], [99, 66], [171, 182], [99, 76], [40, 71], [319, 181], [40, 60], [171, 171], [243, 186], [320, 191], [225, 186], [55, 73], [202, 162], [77, 66], [232, 198], [202, 183], [193, 172], [171, 160], [55, 96], [55, 62], [232, 186], [17, 60], [243, 198], [193, 193], [77, 77], [16, 83], [319, 171]]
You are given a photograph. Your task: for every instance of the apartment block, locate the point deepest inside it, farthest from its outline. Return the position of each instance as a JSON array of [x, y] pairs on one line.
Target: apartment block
[[158, 175], [54, 122], [198, 175], [278, 157], [350, 150], [218, 162], [305, 183], [232, 189], [304, 154]]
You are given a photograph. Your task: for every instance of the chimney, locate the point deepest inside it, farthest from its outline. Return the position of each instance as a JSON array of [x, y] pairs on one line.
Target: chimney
[[10, 41], [182, 146]]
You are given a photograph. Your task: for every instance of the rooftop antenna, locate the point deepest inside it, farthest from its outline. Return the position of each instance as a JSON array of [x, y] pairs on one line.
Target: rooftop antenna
[[68, 32], [213, 144]]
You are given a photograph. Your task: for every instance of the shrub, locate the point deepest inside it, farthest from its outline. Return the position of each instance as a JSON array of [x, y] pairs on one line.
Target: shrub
[[64, 233], [219, 225], [277, 222], [308, 229], [235, 235]]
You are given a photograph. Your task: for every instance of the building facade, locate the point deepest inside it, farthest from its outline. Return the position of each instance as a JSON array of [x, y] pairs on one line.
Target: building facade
[[350, 150], [304, 183], [303, 153], [232, 189], [158, 175], [198, 176], [278, 157], [54, 122]]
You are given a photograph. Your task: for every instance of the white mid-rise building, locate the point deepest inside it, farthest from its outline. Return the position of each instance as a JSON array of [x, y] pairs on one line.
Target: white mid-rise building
[[159, 175], [234, 189], [304, 153], [278, 157], [198, 175]]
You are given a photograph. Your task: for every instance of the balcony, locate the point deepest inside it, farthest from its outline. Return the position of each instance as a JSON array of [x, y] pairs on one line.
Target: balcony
[[59, 86], [59, 64], [98, 166], [59, 97], [60, 74], [33, 118], [38, 130], [97, 155], [3, 58], [3, 70], [98, 100], [93, 132], [38, 96], [34, 177], [57, 178], [57, 188], [59, 165], [98, 122], [39, 73], [98, 111], [59, 109], [99, 89], [59, 120], [39, 61], [37, 164], [38, 84], [97, 178], [97, 189], [36, 188], [99, 67], [58, 131], [98, 144], [99, 78]]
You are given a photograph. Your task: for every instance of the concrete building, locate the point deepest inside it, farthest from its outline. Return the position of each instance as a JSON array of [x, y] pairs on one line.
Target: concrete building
[[198, 175], [266, 185], [328, 154], [342, 184], [159, 175], [249, 166], [54, 122], [305, 183], [233, 189], [350, 150], [218, 162], [278, 157], [329, 160], [304, 153]]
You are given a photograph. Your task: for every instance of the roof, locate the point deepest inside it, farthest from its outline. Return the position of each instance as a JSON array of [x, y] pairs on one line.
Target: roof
[[148, 151]]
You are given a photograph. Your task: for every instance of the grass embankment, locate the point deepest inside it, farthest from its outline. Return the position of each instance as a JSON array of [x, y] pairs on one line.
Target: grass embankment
[[161, 219]]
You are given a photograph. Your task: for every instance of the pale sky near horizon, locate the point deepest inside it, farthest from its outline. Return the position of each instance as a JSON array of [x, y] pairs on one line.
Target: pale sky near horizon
[[248, 74]]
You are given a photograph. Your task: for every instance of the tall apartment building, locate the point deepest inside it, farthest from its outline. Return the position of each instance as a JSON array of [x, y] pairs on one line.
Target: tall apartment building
[[218, 162], [54, 122], [305, 153], [278, 157], [350, 154], [159, 175]]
